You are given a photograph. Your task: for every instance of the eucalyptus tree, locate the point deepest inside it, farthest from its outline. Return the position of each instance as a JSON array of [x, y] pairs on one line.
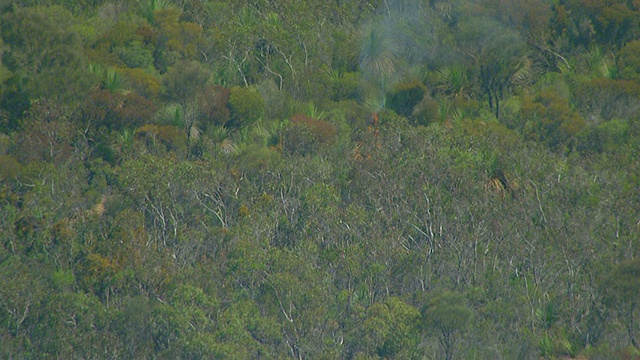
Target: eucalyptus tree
[[448, 314]]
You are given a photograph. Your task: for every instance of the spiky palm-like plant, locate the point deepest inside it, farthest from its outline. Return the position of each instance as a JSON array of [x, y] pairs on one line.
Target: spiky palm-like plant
[[453, 80], [312, 111], [110, 79], [375, 101], [377, 59]]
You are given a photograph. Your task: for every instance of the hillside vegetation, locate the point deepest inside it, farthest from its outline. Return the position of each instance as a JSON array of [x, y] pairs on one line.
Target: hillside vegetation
[[273, 179]]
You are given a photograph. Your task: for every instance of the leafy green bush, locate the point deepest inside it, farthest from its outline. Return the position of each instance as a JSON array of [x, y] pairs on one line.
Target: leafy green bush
[[355, 115], [9, 167], [5, 144], [345, 86], [446, 315], [619, 290], [605, 137], [549, 119], [136, 55], [425, 112], [629, 61], [141, 81], [256, 159], [405, 97], [246, 106]]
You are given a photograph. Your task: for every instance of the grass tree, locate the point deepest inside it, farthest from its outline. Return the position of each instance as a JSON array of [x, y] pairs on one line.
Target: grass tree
[[377, 63]]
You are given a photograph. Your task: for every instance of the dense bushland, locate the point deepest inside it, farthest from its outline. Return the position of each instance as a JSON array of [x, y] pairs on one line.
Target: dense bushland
[[324, 180]]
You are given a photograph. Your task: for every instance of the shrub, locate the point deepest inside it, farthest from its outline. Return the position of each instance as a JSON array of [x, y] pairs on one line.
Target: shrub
[[306, 135], [548, 118], [119, 34], [9, 167], [141, 81], [345, 86], [135, 110], [629, 61], [256, 159], [47, 133], [136, 54], [405, 97], [161, 138], [245, 106], [117, 111], [279, 100], [425, 112], [213, 104], [605, 137], [355, 115], [604, 99]]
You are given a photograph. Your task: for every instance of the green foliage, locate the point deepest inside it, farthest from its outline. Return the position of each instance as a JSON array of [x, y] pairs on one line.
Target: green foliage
[[389, 327], [150, 7], [161, 139], [605, 137], [499, 55], [10, 167], [44, 54], [377, 58], [345, 86], [549, 119], [48, 133], [610, 22], [620, 290], [426, 112], [448, 315], [142, 82], [453, 80], [246, 106], [605, 99], [183, 84], [599, 64], [321, 180], [136, 55], [405, 97], [112, 81], [629, 61], [177, 40], [184, 81], [62, 279]]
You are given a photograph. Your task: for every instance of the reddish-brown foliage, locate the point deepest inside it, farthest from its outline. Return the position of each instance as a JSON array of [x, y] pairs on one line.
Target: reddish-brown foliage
[[306, 135], [161, 138], [213, 105], [323, 131], [117, 110]]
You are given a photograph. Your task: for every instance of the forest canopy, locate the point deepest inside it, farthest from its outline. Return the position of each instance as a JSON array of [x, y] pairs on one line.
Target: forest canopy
[[272, 179]]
